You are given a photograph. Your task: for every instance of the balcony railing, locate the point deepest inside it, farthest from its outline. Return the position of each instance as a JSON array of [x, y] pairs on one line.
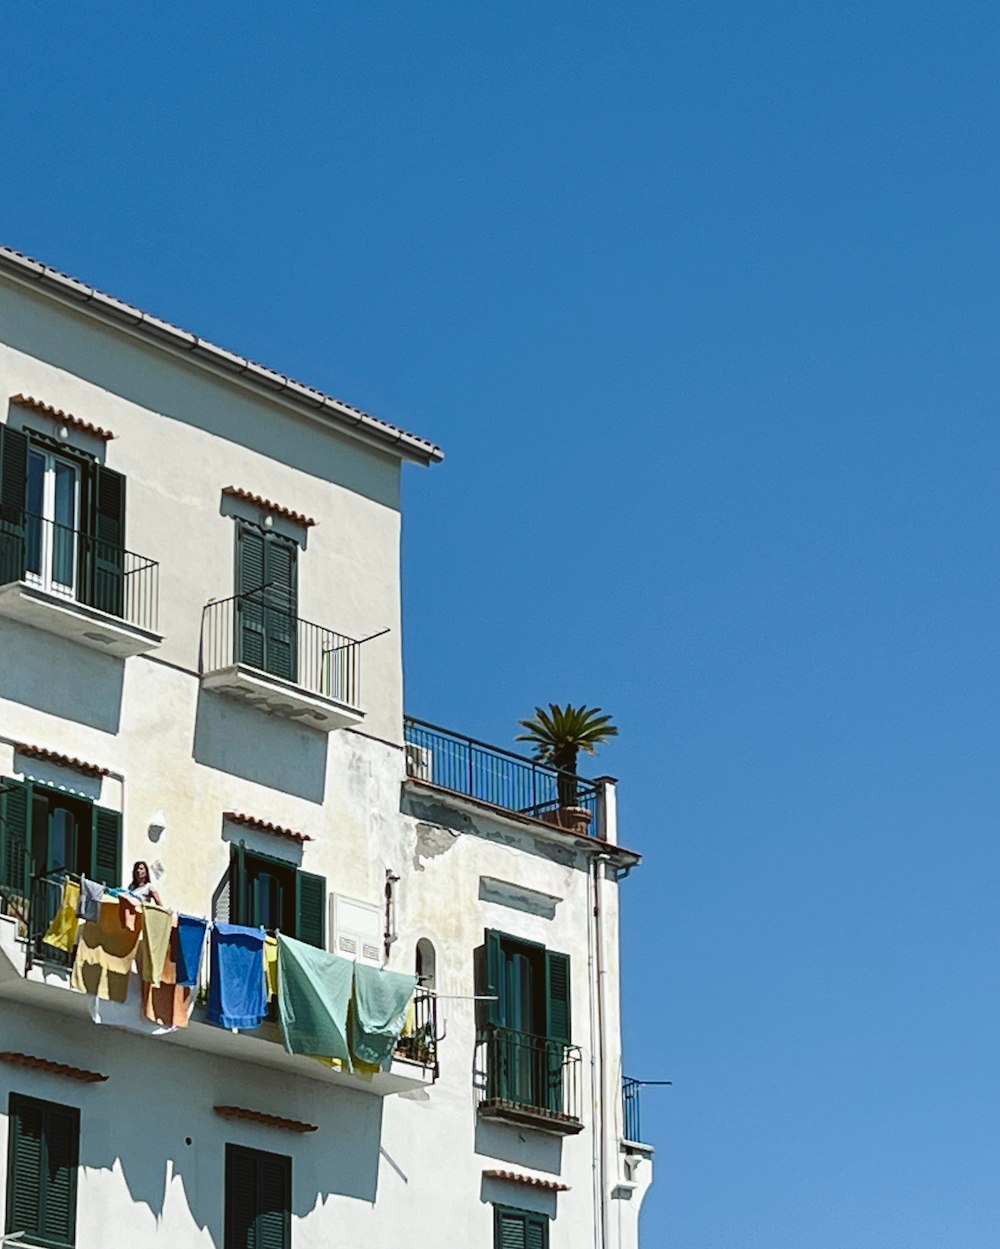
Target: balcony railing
[[631, 1119], [528, 1079], [420, 1044], [495, 776], [71, 564], [248, 631]]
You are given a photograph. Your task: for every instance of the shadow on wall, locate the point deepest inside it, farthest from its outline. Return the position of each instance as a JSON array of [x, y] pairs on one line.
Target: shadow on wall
[[86, 686], [152, 1127], [233, 738], [180, 390], [520, 1145]]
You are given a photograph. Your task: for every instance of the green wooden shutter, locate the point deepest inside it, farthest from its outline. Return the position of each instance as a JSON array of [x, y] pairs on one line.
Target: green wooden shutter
[[250, 579], [509, 1231], [62, 1142], [42, 1169], [24, 1165], [310, 908], [494, 977], [282, 607], [239, 891], [258, 1199], [537, 1229], [104, 584], [106, 847], [274, 1202], [13, 498], [15, 824], [557, 1000]]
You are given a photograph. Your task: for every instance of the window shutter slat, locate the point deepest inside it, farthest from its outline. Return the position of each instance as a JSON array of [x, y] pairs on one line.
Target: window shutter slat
[[241, 1197], [106, 847], [282, 610], [106, 523], [537, 1233], [15, 810], [24, 1179], [557, 996], [44, 1147], [274, 1203], [510, 1230], [310, 908]]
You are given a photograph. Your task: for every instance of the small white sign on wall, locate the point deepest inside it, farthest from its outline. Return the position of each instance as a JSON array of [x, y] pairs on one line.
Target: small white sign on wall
[[357, 930]]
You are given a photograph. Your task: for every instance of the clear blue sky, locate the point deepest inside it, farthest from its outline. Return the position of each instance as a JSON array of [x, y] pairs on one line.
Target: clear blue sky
[[702, 301]]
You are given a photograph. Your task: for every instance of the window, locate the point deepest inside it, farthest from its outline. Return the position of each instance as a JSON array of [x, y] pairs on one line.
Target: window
[[57, 830], [527, 1030], [62, 521], [43, 1156], [266, 601], [426, 964], [267, 892], [519, 1229], [258, 1199]]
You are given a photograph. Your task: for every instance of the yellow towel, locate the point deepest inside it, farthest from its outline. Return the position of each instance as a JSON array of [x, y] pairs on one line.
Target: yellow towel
[[271, 965], [105, 954], [62, 930], [156, 926]]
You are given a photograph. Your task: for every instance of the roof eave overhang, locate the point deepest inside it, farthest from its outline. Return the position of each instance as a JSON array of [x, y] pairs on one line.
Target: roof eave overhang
[[276, 385]]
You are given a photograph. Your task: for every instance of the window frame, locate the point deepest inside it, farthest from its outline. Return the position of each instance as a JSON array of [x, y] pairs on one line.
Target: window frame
[[260, 1157], [16, 1103], [529, 1217]]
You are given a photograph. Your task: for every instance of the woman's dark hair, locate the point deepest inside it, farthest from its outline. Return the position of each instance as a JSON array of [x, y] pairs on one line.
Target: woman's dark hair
[[135, 873]]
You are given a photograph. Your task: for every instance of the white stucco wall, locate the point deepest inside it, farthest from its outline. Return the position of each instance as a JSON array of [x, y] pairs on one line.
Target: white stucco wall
[[377, 1172]]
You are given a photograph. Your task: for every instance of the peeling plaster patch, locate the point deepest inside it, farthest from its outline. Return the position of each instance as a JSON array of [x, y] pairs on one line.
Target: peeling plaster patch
[[533, 901], [432, 840]]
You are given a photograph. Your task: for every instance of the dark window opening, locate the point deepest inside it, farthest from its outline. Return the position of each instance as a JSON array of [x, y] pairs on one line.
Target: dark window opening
[[258, 1199]]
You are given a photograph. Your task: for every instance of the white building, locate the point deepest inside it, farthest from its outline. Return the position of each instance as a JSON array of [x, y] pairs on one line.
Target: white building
[[171, 517]]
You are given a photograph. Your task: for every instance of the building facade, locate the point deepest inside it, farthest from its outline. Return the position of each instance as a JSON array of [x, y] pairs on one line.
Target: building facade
[[201, 669]]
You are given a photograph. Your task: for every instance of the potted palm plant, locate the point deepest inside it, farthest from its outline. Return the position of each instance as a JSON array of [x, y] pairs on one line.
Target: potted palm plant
[[558, 735]]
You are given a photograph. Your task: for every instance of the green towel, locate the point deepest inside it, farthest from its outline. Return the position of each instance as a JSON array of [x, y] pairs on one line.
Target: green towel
[[380, 1002], [314, 990]]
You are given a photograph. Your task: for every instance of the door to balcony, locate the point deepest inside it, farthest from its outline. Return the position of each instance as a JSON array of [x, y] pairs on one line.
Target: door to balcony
[[266, 616], [52, 523]]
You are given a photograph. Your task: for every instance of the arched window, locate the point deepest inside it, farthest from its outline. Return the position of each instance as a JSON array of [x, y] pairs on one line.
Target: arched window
[[426, 964]]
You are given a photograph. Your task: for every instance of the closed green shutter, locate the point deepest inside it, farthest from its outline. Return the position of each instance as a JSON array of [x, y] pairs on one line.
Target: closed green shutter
[[106, 847], [15, 814], [250, 582], [42, 1171], [282, 611], [310, 908], [494, 975], [557, 1000], [104, 577], [537, 1229], [258, 1199], [239, 891], [13, 498]]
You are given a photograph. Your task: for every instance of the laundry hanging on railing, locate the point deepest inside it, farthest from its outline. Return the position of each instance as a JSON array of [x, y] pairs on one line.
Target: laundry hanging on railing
[[157, 925], [169, 1003], [237, 992], [314, 993], [378, 1012], [62, 931], [190, 943], [105, 953]]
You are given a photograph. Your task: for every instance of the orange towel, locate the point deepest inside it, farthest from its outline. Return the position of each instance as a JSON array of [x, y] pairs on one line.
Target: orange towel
[[169, 1004]]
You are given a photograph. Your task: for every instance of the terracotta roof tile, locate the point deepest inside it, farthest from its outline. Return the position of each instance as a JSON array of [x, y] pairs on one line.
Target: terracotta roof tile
[[532, 1181], [62, 761], [265, 826], [259, 501], [58, 414], [53, 1068], [269, 1121]]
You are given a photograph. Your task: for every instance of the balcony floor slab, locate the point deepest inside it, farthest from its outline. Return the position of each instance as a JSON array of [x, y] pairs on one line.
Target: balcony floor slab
[[281, 698], [67, 618]]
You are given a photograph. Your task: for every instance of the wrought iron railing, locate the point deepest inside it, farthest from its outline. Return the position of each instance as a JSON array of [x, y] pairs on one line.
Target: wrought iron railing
[[247, 630], [520, 1072], [631, 1119], [75, 565], [419, 1043], [496, 776]]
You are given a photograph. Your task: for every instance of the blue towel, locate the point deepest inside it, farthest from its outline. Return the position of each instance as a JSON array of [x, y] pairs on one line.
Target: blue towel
[[237, 989], [190, 943]]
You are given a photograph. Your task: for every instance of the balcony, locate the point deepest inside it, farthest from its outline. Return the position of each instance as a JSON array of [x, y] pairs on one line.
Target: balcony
[[500, 778], [528, 1081], [274, 661], [70, 583], [37, 975]]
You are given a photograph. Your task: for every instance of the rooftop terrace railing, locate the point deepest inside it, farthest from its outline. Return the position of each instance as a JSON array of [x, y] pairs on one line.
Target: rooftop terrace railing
[[495, 776]]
